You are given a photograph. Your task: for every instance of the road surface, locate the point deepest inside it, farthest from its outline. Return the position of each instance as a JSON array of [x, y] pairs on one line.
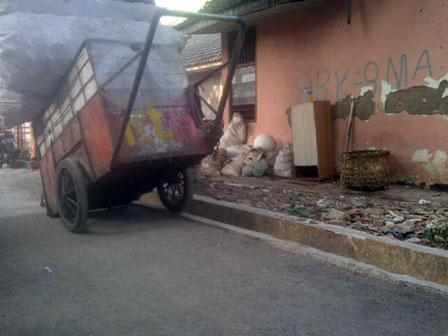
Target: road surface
[[140, 271]]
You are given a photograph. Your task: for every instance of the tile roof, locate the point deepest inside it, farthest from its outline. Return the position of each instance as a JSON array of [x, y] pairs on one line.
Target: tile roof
[[202, 49]]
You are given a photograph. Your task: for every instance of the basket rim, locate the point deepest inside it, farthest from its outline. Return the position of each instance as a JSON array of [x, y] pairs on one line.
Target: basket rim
[[367, 152]]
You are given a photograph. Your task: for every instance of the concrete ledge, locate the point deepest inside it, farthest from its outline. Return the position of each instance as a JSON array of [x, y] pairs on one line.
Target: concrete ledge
[[421, 262]]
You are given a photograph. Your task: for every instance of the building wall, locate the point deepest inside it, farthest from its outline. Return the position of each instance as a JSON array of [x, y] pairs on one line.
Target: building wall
[[391, 45]]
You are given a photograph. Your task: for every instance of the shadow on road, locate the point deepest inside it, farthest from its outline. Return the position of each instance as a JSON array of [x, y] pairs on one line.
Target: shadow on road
[[130, 219]]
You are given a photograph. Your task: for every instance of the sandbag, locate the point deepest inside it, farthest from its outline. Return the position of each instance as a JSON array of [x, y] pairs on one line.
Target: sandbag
[[234, 168], [235, 133], [210, 167], [259, 167], [284, 162], [247, 171], [254, 154], [265, 142], [40, 38], [237, 150]]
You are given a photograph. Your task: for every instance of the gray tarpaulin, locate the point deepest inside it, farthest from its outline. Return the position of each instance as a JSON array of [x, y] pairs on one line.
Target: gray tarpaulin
[[39, 39]]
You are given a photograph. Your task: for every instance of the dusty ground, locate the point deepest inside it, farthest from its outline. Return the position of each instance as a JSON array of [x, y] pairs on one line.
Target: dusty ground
[[19, 191], [140, 271], [399, 212]]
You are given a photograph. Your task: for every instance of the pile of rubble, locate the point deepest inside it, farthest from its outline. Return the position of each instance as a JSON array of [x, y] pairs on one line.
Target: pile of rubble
[[375, 213], [236, 158]]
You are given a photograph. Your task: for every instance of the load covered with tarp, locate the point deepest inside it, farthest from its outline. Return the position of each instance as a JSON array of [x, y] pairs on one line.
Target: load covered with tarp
[[39, 39]]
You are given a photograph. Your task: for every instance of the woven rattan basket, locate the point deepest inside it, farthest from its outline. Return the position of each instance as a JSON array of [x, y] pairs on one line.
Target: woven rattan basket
[[366, 170]]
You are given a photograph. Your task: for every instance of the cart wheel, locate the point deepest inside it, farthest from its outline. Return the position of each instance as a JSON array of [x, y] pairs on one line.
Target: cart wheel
[[72, 195], [177, 191]]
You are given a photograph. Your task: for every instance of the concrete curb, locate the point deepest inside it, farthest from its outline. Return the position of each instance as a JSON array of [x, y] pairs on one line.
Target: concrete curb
[[417, 261]]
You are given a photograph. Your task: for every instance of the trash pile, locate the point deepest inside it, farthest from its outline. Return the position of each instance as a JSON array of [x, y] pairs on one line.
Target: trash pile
[[416, 221], [236, 158], [39, 39]]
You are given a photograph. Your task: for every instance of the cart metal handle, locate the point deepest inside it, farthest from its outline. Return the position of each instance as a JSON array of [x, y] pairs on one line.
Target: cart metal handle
[[144, 58]]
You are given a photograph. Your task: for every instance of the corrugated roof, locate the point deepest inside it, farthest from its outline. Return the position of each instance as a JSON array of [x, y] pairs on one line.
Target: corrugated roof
[[202, 49]]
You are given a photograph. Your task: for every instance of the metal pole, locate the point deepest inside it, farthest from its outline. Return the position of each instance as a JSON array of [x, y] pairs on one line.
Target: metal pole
[[137, 80]]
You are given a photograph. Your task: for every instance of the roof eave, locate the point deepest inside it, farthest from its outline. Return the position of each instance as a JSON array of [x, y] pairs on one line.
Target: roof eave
[[253, 12], [208, 26]]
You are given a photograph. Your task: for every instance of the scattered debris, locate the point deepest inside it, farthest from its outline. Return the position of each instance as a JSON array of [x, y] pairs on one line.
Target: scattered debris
[[374, 212], [437, 232], [337, 215], [239, 185], [388, 227], [421, 212], [398, 219]]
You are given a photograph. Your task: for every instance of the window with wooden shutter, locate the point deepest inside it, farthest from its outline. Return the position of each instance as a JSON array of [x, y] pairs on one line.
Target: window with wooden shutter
[[244, 80]]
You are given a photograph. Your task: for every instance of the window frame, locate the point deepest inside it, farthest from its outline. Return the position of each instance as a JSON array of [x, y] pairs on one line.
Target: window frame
[[241, 65]]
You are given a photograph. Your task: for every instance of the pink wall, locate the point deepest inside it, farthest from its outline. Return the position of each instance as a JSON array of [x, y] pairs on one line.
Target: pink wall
[[318, 48]]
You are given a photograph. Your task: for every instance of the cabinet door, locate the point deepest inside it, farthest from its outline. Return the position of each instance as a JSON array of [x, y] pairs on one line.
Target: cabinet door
[[304, 135]]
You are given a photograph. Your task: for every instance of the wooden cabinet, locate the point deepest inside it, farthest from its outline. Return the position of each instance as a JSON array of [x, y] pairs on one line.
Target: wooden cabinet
[[312, 138]]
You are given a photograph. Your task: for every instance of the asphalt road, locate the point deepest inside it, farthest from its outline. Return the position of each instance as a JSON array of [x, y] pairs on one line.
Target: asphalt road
[[140, 271]]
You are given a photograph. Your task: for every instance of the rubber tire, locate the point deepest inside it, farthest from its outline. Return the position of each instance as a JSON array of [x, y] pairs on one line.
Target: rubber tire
[[81, 194], [188, 193]]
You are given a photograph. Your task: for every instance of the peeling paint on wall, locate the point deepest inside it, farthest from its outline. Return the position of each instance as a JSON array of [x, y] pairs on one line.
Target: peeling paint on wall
[[364, 106], [365, 89], [418, 100], [437, 169], [434, 83], [386, 88], [421, 155]]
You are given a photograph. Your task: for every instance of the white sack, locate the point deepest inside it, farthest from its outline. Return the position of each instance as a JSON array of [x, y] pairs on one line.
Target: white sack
[[237, 150], [265, 142], [235, 133], [209, 167], [234, 168], [284, 163]]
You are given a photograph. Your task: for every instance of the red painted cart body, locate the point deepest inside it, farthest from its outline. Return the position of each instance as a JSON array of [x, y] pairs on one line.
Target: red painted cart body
[[124, 129]]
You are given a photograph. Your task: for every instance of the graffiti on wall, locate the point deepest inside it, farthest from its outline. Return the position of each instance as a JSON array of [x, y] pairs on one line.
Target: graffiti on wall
[[389, 83]]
